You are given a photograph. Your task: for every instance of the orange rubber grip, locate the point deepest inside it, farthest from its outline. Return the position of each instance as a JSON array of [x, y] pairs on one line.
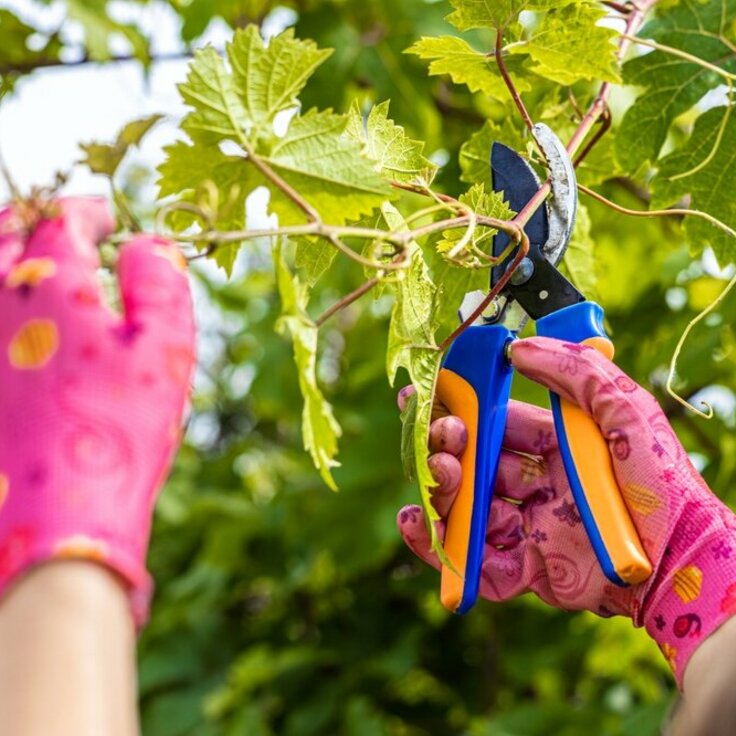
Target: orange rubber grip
[[592, 460]]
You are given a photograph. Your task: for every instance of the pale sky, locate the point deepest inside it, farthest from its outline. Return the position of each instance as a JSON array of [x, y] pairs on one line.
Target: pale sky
[[52, 110]]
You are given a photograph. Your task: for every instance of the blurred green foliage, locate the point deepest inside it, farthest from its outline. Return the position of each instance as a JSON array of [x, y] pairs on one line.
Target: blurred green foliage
[[283, 609]]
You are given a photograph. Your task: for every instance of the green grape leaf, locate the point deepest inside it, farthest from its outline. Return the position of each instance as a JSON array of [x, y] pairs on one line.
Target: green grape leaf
[[327, 168], [469, 14], [568, 46], [397, 157], [412, 346], [475, 153], [99, 27], [453, 283], [219, 113], [704, 167], [482, 202], [454, 56], [580, 262], [269, 79], [105, 158], [320, 430], [673, 85], [217, 183], [315, 157], [314, 256]]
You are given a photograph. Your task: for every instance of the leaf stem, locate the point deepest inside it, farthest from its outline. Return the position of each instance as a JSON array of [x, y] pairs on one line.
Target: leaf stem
[[9, 180], [284, 186], [708, 413], [675, 211], [672, 51]]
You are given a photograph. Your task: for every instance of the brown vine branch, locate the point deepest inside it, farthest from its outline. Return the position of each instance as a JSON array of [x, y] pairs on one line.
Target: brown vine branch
[[31, 66], [623, 8], [346, 301], [606, 121], [513, 91]]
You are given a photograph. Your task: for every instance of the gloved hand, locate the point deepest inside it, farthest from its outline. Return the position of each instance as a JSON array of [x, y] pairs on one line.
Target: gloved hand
[[91, 402], [536, 540]]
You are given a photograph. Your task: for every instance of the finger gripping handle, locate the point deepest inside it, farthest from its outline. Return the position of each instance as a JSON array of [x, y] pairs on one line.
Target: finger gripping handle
[[587, 459], [474, 384]]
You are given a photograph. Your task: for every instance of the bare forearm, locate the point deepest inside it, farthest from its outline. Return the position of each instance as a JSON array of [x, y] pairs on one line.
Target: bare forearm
[[67, 654], [708, 707]]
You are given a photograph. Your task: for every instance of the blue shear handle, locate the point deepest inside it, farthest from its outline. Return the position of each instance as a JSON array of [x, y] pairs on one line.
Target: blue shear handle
[[587, 460], [474, 384]]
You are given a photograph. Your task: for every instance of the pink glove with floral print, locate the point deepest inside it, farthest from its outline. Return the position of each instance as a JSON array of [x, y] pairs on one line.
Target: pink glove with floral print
[[536, 540], [91, 402]]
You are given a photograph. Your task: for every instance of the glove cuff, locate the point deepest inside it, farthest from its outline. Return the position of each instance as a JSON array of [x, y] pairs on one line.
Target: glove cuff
[[22, 549], [693, 591]]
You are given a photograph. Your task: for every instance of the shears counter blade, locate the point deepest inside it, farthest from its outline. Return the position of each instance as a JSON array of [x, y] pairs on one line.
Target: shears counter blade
[[475, 383]]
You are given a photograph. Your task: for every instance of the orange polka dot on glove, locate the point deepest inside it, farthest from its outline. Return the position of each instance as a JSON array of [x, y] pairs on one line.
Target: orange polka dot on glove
[[91, 402]]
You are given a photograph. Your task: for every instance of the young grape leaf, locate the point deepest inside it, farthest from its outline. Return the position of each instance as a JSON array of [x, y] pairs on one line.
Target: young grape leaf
[[105, 158], [397, 157], [320, 429], [482, 202], [219, 113], [475, 153], [705, 168], [568, 45], [314, 256], [315, 157], [469, 14], [454, 56], [269, 79], [673, 85], [454, 282], [196, 179]]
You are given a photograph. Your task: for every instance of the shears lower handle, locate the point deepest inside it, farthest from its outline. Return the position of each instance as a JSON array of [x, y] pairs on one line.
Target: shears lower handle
[[475, 385], [587, 459]]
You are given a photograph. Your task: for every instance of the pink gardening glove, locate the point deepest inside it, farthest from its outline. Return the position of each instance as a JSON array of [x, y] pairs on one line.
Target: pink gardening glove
[[91, 403], [539, 544]]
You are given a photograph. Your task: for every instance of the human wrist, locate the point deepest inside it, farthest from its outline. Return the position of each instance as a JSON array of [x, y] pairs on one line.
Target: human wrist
[[707, 708], [66, 628]]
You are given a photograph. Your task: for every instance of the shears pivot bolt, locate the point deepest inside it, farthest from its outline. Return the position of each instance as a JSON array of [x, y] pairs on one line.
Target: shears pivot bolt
[[523, 272]]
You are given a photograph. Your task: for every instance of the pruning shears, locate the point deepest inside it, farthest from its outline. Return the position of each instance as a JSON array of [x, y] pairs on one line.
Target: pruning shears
[[475, 382]]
